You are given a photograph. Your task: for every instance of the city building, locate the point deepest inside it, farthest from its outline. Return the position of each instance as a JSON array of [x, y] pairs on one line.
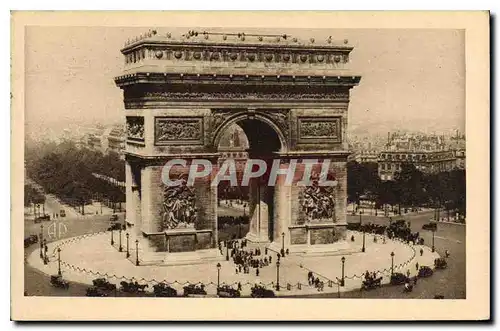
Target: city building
[[429, 154]]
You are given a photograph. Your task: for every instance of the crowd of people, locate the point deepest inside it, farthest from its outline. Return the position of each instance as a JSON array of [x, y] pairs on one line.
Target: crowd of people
[[315, 281]]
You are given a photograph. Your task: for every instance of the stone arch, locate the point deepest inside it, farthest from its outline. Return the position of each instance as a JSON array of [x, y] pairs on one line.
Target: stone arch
[[248, 116]]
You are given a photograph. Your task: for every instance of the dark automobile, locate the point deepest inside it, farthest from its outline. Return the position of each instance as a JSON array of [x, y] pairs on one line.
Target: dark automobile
[[262, 292], [163, 290], [226, 291], [94, 291], [194, 290], [132, 287], [102, 283], [32, 239], [398, 278], [58, 281], [369, 284], [432, 226], [44, 218], [425, 271], [113, 218], [114, 226], [440, 263]]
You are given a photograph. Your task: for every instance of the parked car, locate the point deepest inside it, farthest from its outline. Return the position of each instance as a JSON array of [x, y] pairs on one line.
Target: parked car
[[163, 290], [58, 281], [195, 290], [102, 283], [440, 263], [95, 291], [43, 218], [399, 278], [432, 226], [62, 213], [262, 292], [425, 271], [226, 291], [113, 218], [32, 239], [114, 226]]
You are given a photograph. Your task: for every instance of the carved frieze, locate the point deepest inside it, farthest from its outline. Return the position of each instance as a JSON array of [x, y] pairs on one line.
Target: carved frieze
[[178, 130], [166, 96], [179, 208], [319, 128], [135, 128]]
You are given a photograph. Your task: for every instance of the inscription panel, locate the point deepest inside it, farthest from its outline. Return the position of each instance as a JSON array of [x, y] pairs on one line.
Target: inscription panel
[[178, 130]]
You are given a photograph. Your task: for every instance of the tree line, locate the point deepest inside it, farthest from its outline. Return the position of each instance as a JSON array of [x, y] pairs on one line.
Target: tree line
[[410, 188], [66, 171]]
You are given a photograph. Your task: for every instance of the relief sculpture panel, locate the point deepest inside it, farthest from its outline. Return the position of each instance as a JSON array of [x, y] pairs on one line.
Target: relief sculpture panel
[[135, 128], [318, 203], [318, 129], [179, 209], [175, 130]]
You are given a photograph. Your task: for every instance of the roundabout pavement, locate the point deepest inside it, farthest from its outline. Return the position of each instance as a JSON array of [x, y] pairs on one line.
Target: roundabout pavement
[[90, 256]]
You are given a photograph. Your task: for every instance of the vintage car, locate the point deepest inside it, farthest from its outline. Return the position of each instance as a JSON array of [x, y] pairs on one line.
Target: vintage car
[[44, 218], [398, 278], [425, 271], [226, 291], [113, 218], [62, 213], [58, 281], [195, 290], [95, 291], [163, 290], [440, 263], [32, 239], [114, 226], [369, 284], [132, 287], [103, 284], [262, 292], [432, 226]]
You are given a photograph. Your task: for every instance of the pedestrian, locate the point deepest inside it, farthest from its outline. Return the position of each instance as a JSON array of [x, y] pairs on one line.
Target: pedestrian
[[352, 238], [287, 251], [257, 272], [383, 241], [421, 251], [416, 266], [239, 286], [270, 259], [408, 273]]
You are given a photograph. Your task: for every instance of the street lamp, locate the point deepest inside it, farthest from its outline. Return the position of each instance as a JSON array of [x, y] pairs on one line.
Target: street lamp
[[128, 252], [120, 248], [59, 261], [343, 279], [283, 244], [112, 240], [392, 263], [277, 275], [137, 252], [363, 248], [433, 248], [41, 241], [218, 274]]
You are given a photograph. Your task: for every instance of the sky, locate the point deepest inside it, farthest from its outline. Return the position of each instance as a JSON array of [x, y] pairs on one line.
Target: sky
[[412, 79]]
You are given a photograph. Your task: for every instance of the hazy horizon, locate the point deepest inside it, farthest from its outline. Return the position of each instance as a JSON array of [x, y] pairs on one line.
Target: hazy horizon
[[411, 79]]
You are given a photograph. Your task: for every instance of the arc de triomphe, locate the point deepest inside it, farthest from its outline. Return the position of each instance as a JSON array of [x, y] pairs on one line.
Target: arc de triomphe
[[180, 94]]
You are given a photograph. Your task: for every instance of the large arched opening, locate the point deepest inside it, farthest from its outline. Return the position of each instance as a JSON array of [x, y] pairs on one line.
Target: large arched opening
[[247, 210]]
